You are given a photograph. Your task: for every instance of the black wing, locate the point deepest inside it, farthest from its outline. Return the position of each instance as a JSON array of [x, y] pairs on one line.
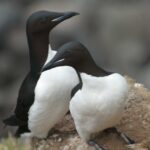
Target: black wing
[[78, 86], [24, 101]]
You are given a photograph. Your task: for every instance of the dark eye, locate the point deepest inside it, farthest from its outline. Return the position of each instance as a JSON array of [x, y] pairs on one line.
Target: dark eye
[[68, 53], [43, 20]]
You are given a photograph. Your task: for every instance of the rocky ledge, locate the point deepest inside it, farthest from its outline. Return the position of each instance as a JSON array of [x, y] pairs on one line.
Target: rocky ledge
[[135, 123]]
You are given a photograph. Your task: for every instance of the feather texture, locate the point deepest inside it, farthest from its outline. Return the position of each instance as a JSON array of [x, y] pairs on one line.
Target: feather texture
[[99, 104], [52, 96]]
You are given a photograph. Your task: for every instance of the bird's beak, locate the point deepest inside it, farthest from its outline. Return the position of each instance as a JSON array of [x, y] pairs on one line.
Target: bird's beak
[[63, 16], [58, 60]]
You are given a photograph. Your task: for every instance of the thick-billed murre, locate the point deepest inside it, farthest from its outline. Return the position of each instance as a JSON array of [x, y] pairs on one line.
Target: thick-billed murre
[[39, 24], [98, 102]]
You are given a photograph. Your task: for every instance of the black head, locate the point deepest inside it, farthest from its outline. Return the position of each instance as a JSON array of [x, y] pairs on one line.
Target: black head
[[39, 24], [44, 21], [71, 54]]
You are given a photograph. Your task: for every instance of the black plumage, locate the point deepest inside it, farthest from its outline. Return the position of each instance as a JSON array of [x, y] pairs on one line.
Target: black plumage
[[39, 24]]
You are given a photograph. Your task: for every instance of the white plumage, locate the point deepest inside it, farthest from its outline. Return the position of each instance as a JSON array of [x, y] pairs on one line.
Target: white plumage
[[51, 54], [52, 96], [99, 104]]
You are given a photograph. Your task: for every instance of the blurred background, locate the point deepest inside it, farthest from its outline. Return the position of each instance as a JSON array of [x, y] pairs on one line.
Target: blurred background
[[116, 32]]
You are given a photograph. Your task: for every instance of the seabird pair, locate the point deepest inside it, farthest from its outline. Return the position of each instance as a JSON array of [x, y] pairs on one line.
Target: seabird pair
[[97, 96]]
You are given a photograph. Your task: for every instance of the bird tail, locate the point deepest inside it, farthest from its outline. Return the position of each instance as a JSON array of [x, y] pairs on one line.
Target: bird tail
[[13, 121]]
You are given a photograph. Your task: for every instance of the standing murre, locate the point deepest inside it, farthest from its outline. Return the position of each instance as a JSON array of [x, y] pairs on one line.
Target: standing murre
[[99, 100], [39, 24], [52, 97]]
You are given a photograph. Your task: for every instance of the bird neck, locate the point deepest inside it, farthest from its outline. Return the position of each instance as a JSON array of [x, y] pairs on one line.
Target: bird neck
[[98, 71], [92, 69], [38, 50]]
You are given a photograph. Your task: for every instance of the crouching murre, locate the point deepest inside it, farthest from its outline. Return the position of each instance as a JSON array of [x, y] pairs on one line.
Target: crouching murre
[[98, 100], [39, 24]]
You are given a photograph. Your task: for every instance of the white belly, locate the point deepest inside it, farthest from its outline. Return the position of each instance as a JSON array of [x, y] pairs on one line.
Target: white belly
[[52, 96], [99, 104]]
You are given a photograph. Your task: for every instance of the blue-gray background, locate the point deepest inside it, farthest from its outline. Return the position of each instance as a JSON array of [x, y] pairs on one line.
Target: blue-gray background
[[117, 33]]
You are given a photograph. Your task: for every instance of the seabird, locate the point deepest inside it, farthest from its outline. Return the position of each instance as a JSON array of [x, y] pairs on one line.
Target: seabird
[[98, 101], [38, 26]]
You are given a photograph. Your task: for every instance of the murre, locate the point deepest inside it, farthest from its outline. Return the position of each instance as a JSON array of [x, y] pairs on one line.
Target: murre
[[99, 99], [38, 26]]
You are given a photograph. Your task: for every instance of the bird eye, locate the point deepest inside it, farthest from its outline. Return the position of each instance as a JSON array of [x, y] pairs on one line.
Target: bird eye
[[68, 54], [43, 20]]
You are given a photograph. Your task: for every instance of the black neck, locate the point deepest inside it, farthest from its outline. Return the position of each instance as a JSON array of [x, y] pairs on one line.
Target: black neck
[[38, 50], [92, 69], [97, 71]]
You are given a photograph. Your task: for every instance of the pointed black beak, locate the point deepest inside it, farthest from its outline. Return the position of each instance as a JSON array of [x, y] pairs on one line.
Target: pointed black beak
[[58, 60], [64, 16]]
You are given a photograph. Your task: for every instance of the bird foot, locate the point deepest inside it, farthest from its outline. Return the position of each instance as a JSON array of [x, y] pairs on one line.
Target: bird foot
[[127, 139], [124, 137], [94, 144]]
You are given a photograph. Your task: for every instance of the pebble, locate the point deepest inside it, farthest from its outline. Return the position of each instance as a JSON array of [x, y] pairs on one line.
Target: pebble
[[51, 143], [144, 122], [47, 146], [137, 85], [59, 140], [55, 135], [40, 147], [66, 147]]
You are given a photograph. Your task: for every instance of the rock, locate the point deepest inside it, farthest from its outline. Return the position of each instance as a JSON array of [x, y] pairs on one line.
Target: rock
[[59, 139]]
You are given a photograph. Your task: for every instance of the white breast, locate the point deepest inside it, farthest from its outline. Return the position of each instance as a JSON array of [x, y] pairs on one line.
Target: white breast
[[99, 104], [51, 54], [52, 96]]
